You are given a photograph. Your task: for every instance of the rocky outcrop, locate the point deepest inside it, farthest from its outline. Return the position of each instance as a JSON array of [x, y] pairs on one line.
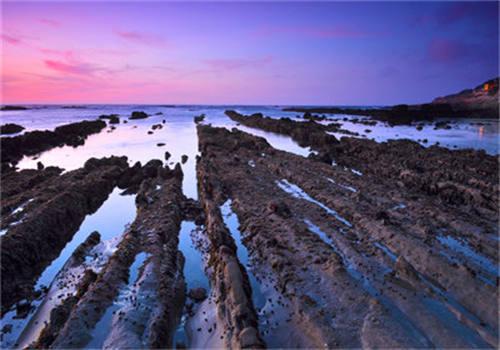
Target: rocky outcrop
[[483, 97], [199, 118], [13, 108], [138, 115], [53, 209], [113, 118], [358, 259], [33, 142], [10, 128], [481, 102], [304, 133], [234, 304], [159, 290]]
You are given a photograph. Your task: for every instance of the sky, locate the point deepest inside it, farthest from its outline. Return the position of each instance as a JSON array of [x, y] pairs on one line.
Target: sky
[[288, 53]]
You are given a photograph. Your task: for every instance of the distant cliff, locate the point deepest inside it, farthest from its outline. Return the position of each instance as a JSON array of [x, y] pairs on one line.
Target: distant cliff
[[482, 97]]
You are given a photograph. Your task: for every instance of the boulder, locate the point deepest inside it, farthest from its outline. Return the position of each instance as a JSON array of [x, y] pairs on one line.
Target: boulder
[[138, 115], [10, 128]]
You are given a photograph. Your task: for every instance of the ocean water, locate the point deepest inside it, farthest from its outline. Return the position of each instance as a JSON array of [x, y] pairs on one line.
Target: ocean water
[[179, 133]]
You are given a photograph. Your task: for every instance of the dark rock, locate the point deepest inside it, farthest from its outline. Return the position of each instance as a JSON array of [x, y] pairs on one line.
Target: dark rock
[[138, 115], [184, 158], [160, 144], [279, 208], [199, 118], [113, 118], [13, 108], [10, 128], [23, 309], [30, 143], [150, 169], [198, 294], [167, 155], [40, 166]]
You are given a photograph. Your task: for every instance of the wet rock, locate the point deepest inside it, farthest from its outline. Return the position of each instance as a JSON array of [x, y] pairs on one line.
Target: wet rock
[[40, 166], [154, 231], [279, 208], [23, 309], [373, 244], [33, 142], [442, 125], [150, 169], [184, 158], [249, 338], [13, 108], [198, 294], [50, 221], [160, 144], [10, 128], [199, 119], [405, 270], [7, 328], [113, 118], [138, 115], [157, 126], [167, 155]]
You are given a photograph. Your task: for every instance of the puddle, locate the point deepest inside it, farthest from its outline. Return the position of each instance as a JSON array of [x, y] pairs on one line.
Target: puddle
[[493, 237], [386, 251], [65, 284], [102, 329], [297, 192], [462, 247], [352, 189], [190, 244], [21, 207], [444, 312], [109, 222], [395, 312], [232, 223], [461, 135], [194, 272]]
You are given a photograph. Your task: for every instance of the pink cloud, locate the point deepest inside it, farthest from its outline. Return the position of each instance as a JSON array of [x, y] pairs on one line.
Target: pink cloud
[[50, 22], [235, 63], [68, 54], [73, 68], [11, 40], [141, 38], [333, 32]]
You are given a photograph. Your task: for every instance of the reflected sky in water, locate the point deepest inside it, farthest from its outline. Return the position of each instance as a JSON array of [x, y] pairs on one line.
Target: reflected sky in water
[[179, 134]]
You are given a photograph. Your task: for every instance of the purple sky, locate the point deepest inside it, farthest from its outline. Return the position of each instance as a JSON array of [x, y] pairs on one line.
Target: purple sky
[[327, 53]]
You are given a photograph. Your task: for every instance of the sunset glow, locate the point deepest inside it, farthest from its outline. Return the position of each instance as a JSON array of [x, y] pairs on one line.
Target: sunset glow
[[245, 53]]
